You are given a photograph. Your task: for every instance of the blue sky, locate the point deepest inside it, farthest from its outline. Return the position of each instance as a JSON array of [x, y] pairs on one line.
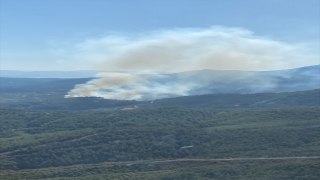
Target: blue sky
[[76, 34]]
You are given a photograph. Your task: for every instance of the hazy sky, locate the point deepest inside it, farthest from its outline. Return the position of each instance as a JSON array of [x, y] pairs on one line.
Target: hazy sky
[[82, 34]]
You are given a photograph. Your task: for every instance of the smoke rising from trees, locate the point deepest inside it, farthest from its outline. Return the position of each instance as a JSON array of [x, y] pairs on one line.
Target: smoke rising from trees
[[142, 62]]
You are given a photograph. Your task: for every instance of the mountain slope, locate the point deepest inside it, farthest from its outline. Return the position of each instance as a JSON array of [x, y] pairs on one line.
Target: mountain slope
[[259, 100]]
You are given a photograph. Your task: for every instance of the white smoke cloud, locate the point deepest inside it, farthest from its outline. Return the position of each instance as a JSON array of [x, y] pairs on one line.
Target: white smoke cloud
[[178, 50], [131, 86]]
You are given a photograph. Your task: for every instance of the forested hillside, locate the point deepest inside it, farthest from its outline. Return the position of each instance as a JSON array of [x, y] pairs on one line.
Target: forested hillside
[[259, 100], [47, 139], [56, 101]]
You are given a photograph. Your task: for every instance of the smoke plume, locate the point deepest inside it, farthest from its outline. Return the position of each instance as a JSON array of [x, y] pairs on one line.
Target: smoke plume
[[146, 63]]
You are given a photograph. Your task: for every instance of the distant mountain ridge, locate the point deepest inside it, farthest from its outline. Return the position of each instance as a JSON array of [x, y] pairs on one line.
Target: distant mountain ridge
[[48, 74], [92, 73]]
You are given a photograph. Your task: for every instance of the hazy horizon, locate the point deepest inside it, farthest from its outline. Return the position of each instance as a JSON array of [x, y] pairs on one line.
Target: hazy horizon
[[86, 70]]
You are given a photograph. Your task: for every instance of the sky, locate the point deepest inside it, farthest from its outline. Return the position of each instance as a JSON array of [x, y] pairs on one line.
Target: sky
[[142, 35]]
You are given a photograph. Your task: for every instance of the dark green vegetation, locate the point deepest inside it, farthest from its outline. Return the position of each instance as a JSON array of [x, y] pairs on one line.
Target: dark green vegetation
[[238, 170], [56, 101], [96, 144]]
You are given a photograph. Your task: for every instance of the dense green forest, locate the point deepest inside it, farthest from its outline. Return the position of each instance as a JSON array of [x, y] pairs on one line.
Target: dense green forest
[[48, 144], [56, 101], [46, 136], [238, 170]]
